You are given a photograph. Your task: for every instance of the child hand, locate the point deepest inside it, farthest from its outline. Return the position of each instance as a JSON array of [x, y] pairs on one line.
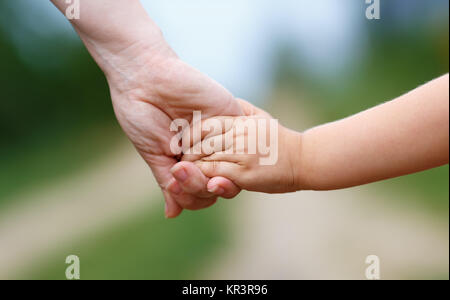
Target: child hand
[[253, 151], [400, 137]]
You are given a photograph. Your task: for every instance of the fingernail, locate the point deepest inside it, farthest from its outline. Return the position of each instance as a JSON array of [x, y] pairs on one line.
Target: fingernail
[[216, 190], [180, 174], [174, 188]]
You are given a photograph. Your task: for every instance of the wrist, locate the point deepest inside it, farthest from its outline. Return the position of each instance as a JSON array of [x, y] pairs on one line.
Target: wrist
[[301, 162], [126, 69], [125, 56], [120, 36], [294, 148], [309, 165]]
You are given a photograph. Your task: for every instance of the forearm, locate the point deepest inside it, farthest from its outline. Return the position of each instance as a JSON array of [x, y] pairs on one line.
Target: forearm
[[112, 30], [404, 136]]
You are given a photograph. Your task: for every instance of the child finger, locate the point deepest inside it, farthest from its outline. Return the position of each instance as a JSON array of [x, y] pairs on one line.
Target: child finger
[[219, 168]]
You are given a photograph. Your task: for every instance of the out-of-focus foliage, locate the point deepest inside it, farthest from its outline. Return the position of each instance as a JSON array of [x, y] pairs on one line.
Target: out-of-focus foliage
[[52, 112]]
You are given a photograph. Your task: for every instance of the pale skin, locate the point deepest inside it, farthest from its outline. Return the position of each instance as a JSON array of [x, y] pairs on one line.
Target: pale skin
[[150, 86], [407, 135]]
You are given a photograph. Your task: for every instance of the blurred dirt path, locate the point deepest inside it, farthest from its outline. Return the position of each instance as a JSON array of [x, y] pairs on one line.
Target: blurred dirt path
[[114, 189], [328, 235]]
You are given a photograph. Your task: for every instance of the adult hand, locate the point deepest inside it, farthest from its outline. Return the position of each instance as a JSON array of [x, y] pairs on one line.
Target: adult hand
[[146, 100], [150, 86]]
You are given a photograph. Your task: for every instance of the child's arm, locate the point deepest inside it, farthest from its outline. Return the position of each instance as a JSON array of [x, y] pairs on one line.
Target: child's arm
[[407, 135], [404, 136]]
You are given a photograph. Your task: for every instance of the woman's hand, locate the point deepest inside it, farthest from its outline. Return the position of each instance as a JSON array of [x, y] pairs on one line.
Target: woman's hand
[[150, 87]]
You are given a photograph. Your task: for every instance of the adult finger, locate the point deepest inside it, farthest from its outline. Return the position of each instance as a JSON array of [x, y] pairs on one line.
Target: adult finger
[[191, 179], [160, 166], [201, 185], [172, 208], [223, 187], [192, 202]]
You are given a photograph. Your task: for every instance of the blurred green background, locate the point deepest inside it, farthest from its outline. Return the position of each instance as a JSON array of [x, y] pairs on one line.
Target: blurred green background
[[70, 183]]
